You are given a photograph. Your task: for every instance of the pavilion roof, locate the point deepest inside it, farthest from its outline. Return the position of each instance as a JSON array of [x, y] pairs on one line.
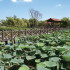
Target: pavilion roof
[[53, 19]]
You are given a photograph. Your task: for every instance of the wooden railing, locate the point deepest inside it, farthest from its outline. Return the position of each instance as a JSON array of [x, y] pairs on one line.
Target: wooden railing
[[10, 35]]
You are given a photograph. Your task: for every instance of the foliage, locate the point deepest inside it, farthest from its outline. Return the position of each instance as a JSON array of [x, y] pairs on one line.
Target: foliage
[[14, 21], [20, 23], [30, 23], [33, 22], [44, 52], [65, 22]]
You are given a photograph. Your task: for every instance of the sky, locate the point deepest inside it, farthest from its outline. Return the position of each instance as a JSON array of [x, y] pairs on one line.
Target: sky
[[48, 8]]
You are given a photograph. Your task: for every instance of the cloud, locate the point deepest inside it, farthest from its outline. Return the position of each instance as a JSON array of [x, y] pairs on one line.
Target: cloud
[[27, 0], [21, 0], [14, 0], [59, 5]]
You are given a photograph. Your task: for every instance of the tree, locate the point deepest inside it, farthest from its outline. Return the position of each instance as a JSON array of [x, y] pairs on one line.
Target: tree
[[35, 15], [65, 22], [3, 22], [10, 21], [31, 22], [41, 23], [26, 22]]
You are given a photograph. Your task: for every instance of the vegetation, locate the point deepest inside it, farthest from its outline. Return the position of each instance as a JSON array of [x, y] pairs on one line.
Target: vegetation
[[44, 52], [13, 28], [65, 22], [15, 23], [20, 23]]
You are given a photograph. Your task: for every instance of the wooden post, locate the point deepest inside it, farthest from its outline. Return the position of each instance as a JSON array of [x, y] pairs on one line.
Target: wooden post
[[31, 32], [6, 42], [40, 31], [12, 37], [47, 30], [19, 33], [3, 35], [25, 32]]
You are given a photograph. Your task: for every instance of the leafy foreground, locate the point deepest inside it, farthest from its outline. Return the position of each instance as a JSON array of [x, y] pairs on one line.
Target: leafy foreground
[[45, 52]]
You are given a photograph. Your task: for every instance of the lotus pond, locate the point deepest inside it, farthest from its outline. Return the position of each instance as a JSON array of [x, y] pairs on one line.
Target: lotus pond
[[44, 52]]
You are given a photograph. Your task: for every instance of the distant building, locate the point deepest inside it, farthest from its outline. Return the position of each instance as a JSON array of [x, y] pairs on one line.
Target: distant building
[[51, 21]]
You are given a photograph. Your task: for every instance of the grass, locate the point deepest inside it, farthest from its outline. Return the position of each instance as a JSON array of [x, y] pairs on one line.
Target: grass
[[13, 28]]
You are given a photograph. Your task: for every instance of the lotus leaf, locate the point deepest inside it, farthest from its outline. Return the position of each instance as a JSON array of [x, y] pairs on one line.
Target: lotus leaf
[[50, 64], [24, 67]]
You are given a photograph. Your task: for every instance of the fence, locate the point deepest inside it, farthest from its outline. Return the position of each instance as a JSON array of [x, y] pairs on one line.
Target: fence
[[10, 35]]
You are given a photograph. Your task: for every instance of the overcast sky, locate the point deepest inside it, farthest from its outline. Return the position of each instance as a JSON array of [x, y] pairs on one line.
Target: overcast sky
[[48, 8]]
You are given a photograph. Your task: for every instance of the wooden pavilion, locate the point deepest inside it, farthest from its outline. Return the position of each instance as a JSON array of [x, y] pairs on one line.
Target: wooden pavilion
[[51, 21]]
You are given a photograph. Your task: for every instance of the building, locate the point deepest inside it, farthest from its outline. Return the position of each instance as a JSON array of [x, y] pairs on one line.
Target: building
[[53, 22]]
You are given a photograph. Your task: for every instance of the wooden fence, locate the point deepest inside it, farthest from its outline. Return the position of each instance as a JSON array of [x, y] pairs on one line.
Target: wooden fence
[[10, 35]]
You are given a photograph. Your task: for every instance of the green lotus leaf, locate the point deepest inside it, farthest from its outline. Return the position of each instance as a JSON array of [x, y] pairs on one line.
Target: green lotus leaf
[[17, 60], [54, 59], [41, 66], [66, 57], [68, 43], [44, 48], [44, 55], [30, 57], [28, 42], [37, 60], [23, 46], [53, 43], [38, 52], [2, 43], [61, 48], [18, 48], [32, 47], [7, 56], [1, 67], [50, 64], [1, 54], [52, 53], [24, 67], [40, 44]]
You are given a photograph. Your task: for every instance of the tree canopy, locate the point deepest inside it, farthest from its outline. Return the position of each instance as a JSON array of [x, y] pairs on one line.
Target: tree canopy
[[29, 23]]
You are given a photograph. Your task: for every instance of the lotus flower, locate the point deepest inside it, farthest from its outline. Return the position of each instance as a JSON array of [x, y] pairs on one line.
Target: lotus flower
[[25, 36], [49, 33], [68, 49], [59, 37]]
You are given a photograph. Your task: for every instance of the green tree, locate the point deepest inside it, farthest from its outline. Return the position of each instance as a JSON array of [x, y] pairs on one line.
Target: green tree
[[65, 22], [41, 23], [3, 22], [10, 21], [26, 22], [33, 22]]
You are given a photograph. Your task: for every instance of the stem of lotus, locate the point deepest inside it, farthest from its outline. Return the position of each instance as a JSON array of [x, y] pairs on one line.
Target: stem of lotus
[[57, 65]]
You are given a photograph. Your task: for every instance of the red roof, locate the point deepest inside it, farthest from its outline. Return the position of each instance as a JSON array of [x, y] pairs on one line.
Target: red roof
[[53, 19]]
